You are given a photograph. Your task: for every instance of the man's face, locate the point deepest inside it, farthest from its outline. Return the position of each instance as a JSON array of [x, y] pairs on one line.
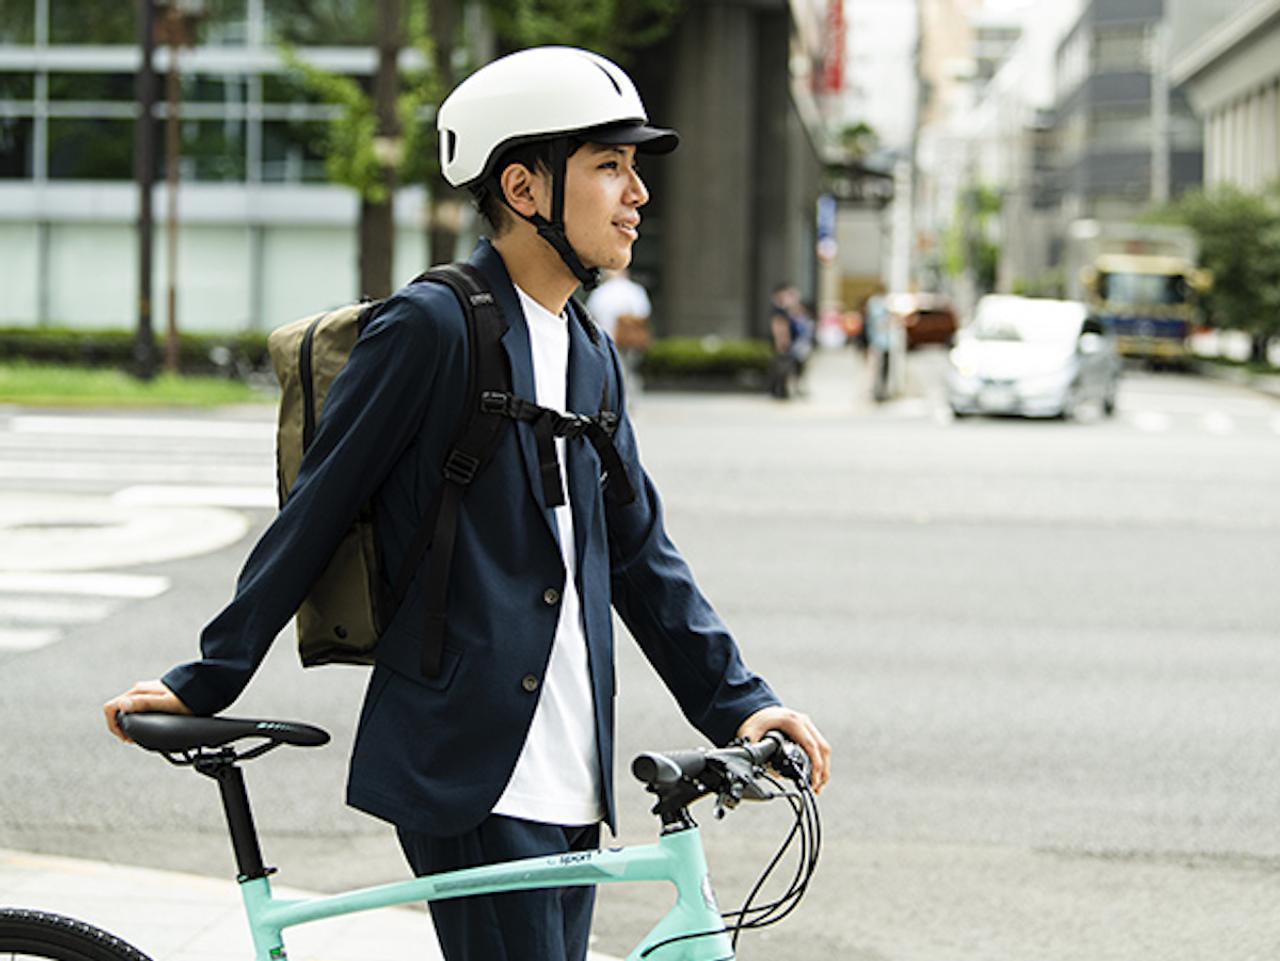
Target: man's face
[[602, 200]]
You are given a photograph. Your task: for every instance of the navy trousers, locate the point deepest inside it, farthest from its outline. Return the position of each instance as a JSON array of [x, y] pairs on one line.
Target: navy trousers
[[549, 924]]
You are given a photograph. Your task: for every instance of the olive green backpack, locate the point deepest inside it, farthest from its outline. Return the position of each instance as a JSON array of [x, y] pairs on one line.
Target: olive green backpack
[[353, 600]]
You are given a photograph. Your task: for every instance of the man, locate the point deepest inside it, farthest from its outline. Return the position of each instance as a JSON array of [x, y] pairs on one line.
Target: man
[[507, 750]]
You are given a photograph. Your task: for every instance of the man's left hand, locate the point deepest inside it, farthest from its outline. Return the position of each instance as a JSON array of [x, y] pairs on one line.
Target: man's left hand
[[800, 729]]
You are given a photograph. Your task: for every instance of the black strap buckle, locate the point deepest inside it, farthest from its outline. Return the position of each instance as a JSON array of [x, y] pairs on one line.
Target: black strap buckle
[[608, 421], [495, 402], [570, 426], [460, 467]]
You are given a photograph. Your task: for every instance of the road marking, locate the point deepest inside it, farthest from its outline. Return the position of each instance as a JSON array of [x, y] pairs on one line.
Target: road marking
[[142, 427], [102, 585], [125, 470], [196, 496], [38, 611], [1150, 421], [1218, 423], [23, 639]]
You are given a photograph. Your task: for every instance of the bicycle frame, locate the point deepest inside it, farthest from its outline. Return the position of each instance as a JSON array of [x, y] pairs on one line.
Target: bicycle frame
[[677, 857]]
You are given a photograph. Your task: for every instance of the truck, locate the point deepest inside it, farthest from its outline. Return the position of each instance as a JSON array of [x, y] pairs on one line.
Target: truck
[[1142, 282]]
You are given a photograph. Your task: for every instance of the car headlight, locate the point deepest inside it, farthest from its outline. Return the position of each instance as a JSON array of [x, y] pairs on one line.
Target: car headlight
[[964, 365]]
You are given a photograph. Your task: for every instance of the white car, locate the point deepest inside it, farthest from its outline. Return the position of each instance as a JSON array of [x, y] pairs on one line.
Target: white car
[[1034, 358]]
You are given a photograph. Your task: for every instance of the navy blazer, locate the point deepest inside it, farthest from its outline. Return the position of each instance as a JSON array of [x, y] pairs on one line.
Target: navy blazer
[[434, 755]]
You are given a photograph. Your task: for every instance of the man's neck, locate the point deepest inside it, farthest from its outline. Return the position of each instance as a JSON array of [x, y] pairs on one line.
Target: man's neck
[[536, 268]]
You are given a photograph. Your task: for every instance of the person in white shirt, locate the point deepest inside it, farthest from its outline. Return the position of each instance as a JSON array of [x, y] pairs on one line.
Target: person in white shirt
[[621, 307]]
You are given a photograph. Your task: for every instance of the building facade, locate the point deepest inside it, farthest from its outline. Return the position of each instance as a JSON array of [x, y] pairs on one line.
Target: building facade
[[1232, 76], [1119, 129], [265, 236]]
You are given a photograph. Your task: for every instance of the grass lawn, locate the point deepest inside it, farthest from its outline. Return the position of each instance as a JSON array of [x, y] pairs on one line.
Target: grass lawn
[[41, 385]]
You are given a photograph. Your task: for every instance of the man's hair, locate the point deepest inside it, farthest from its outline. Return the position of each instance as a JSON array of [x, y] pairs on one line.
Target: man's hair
[[535, 156]]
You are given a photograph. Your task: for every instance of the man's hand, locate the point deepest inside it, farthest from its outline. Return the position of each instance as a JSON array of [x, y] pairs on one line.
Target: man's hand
[[142, 697], [800, 729]]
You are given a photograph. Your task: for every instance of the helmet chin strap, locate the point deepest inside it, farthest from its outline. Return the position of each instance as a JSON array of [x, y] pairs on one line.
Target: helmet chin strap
[[552, 231]]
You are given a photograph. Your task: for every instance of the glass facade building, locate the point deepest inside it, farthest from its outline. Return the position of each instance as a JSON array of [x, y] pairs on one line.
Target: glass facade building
[[264, 235]]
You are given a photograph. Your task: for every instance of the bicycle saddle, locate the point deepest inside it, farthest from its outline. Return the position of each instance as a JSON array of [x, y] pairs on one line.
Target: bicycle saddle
[[174, 733]]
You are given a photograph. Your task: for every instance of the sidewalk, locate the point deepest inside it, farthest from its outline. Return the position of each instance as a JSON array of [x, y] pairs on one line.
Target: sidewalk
[[182, 917]]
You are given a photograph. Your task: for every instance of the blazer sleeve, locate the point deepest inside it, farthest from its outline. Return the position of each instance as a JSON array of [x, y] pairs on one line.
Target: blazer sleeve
[[372, 411], [677, 629]]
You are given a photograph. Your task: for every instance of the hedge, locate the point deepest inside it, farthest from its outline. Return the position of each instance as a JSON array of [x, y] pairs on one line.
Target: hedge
[[230, 354]]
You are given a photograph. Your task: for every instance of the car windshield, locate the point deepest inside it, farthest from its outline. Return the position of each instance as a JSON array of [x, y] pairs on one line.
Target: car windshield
[[1028, 321]]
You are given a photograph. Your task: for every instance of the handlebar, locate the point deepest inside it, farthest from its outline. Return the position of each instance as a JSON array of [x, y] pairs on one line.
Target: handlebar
[[733, 774], [667, 767]]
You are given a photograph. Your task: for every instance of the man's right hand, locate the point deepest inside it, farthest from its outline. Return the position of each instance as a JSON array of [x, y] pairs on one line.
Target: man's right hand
[[142, 697]]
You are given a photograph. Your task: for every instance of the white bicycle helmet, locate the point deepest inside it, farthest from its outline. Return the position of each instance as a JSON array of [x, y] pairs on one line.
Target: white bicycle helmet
[[542, 94]]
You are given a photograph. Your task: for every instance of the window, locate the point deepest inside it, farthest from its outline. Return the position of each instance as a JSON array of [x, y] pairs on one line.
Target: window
[[91, 86], [92, 22], [322, 23], [211, 150], [292, 151], [17, 21], [15, 148], [1122, 48], [87, 149], [17, 86], [1121, 127]]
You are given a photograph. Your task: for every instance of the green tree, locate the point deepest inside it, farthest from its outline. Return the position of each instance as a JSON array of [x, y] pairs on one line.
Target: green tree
[[614, 28], [1239, 234], [968, 244]]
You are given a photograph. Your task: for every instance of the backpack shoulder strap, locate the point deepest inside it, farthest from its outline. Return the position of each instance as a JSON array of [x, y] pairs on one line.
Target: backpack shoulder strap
[[473, 446]]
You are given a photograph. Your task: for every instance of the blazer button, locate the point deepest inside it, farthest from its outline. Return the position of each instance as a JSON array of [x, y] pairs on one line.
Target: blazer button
[[551, 596], [529, 682]]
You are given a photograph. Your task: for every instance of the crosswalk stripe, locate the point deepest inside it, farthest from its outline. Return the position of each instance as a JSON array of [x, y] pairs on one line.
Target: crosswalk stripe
[[27, 639], [142, 427], [172, 495], [102, 585], [126, 470], [1150, 421], [1218, 423], [31, 610]]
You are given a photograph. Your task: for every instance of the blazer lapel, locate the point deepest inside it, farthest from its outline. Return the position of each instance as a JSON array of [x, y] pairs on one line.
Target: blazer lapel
[[587, 373], [516, 343]]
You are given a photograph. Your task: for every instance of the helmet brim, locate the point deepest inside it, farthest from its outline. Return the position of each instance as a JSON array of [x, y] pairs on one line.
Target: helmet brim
[[646, 139]]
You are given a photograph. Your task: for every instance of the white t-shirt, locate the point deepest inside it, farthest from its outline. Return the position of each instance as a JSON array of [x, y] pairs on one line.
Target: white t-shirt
[[557, 776], [615, 297]]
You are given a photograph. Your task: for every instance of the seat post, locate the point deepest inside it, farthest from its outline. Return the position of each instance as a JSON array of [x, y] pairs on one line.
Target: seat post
[[235, 804]]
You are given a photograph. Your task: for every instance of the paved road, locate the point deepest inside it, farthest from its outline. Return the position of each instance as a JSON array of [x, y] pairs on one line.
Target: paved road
[[1045, 653]]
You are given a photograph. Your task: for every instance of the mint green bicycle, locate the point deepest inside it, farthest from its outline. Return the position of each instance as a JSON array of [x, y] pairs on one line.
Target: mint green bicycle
[[693, 930]]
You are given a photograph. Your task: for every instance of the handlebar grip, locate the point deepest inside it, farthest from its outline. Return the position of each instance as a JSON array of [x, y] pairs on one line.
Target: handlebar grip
[[668, 767]]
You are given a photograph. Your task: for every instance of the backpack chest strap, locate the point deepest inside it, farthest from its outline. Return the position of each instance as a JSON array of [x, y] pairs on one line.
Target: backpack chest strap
[[549, 424]]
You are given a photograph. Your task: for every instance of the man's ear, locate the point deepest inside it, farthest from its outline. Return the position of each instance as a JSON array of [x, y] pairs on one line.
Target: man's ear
[[521, 188]]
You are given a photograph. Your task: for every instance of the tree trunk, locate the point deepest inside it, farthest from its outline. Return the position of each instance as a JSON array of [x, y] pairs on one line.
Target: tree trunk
[[443, 220], [377, 248], [377, 223]]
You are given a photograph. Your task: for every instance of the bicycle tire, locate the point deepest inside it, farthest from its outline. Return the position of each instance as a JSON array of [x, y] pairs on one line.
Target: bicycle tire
[[37, 935]]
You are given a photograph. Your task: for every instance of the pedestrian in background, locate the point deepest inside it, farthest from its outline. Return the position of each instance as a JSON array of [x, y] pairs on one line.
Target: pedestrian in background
[[792, 334], [621, 307]]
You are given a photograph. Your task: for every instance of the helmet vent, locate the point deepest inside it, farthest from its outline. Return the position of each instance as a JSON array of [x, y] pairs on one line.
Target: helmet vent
[[611, 79], [451, 145]]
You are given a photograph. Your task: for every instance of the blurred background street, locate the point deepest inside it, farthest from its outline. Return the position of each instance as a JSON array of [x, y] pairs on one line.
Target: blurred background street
[[962, 388], [1044, 652]]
